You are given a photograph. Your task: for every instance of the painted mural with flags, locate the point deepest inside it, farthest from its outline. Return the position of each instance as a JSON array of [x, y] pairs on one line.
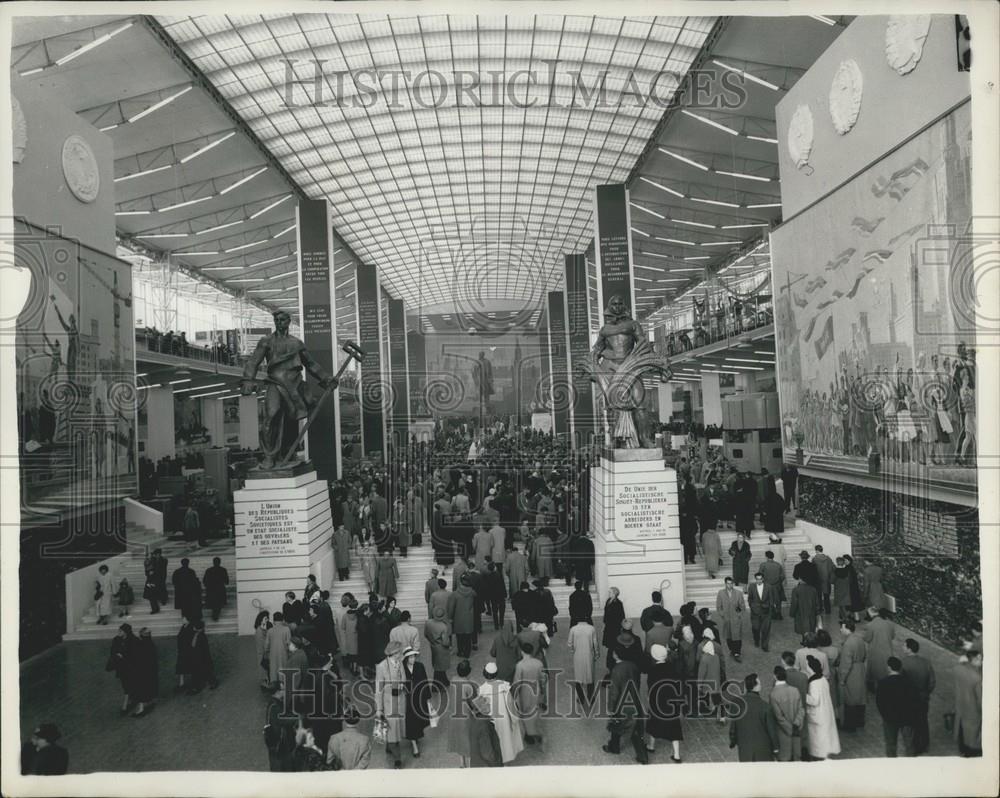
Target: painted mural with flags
[[866, 318]]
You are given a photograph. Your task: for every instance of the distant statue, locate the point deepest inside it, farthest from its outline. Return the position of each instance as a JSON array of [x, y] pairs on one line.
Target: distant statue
[[482, 375], [287, 399], [621, 356]]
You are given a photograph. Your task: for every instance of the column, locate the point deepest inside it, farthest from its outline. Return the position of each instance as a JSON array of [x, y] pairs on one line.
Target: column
[[399, 373], [559, 386], [711, 398], [160, 423], [213, 417], [249, 423], [582, 418]]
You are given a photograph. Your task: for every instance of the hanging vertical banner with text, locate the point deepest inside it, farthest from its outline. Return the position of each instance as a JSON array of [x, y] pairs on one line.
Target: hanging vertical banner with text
[[416, 354], [613, 247], [399, 373], [319, 330], [371, 396], [578, 330], [560, 386]]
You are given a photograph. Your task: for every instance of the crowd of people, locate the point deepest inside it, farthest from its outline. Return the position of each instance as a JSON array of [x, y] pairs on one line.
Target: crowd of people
[[176, 343]]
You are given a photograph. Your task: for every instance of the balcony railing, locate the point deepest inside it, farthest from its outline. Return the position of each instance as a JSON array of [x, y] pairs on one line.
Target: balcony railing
[[178, 347]]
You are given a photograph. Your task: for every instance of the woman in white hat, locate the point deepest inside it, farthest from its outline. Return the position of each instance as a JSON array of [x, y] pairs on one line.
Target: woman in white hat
[[418, 692], [509, 728], [665, 699], [712, 672], [390, 700]]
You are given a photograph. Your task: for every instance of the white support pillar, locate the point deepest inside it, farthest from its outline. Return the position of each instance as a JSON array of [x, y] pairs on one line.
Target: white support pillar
[[249, 423], [213, 418], [160, 423]]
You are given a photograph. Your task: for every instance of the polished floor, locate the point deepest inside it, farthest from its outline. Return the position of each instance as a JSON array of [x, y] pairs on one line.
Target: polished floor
[[222, 729]]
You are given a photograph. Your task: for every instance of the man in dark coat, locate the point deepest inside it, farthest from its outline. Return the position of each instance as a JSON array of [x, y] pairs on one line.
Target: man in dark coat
[[187, 591], [745, 501], [653, 610], [581, 558], [754, 733], [158, 565], [896, 699], [523, 603], [760, 598], [215, 581], [806, 570], [824, 571], [918, 669], [581, 605], [804, 607], [774, 577], [625, 706], [41, 756], [789, 481]]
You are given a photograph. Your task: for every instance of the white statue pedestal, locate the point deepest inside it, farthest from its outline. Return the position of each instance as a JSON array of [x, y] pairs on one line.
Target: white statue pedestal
[[633, 512], [542, 421], [283, 532]]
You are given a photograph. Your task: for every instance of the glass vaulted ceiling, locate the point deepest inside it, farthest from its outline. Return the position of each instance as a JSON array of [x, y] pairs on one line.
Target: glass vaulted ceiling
[[471, 160]]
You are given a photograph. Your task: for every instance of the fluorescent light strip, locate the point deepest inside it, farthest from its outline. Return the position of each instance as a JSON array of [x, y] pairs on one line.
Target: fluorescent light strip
[[694, 224], [211, 393], [647, 210], [91, 45], [143, 374], [265, 291], [644, 280], [677, 241], [821, 18], [159, 105], [747, 75], [683, 159], [744, 226], [744, 176], [221, 268], [247, 280], [246, 246], [765, 139], [698, 257], [35, 71], [269, 260], [721, 243], [744, 360], [178, 382], [201, 387], [142, 173], [283, 274], [715, 202], [207, 147], [711, 122], [766, 205], [132, 213], [274, 204], [698, 269], [161, 235], [286, 230], [177, 205], [241, 181], [200, 252], [218, 227], [640, 232], [661, 187]]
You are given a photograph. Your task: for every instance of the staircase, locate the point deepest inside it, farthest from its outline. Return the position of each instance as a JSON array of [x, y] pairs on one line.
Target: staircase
[[414, 571], [168, 620], [701, 588]]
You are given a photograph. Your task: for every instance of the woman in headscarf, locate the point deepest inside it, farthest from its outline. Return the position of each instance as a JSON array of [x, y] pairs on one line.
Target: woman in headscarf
[[121, 661], [261, 625], [664, 683], [528, 690], [822, 737], [506, 651], [712, 673], [368, 565], [824, 644], [418, 692], [347, 631]]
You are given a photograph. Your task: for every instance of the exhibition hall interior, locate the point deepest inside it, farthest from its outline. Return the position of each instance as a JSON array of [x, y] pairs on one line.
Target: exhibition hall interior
[[393, 390]]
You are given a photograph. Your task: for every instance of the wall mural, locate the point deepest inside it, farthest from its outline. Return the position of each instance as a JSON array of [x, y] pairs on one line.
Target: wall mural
[[874, 314]]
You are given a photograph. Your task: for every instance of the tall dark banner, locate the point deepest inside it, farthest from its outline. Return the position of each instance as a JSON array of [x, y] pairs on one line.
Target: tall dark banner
[[417, 354], [613, 246], [318, 329], [561, 392], [369, 330], [399, 370], [578, 327]]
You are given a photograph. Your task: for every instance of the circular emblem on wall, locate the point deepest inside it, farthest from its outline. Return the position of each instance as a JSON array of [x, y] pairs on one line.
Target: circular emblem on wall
[[800, 136], [904, 40], [845, 96], [80, 169], [20, 132]]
